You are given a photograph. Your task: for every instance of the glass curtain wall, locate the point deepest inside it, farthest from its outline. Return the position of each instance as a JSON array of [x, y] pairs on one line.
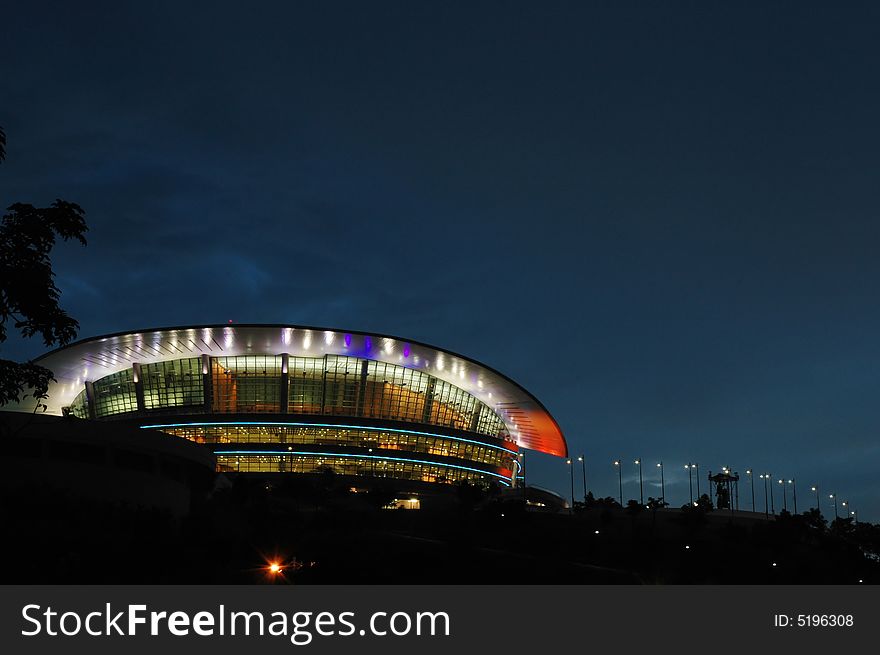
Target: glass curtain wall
[[332, 386]]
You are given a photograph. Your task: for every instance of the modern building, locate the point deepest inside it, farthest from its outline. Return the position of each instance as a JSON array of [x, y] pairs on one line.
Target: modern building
[[290, 400]]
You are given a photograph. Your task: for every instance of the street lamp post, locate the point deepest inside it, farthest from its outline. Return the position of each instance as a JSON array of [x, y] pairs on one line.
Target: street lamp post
[[522, 468], [583, 460], [689, 466], [764, 476], [736, 489], [784, 496], [571, 474], [834, 498], [697, 475], [662, 483], [752, 483], [638, 463], [619, 479], [772, 508], [793, 493], [815, 488]]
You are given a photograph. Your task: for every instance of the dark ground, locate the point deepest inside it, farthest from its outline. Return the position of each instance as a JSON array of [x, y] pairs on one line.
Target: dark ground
[[324, 535]]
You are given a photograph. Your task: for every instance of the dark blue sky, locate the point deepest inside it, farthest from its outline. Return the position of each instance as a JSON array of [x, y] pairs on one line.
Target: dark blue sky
[[660, 218]]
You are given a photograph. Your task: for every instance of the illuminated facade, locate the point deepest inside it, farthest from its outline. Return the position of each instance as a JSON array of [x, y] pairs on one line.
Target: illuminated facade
[[284, 399]]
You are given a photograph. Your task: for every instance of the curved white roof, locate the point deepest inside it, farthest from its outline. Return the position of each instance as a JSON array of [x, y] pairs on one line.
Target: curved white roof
[[530, 424]]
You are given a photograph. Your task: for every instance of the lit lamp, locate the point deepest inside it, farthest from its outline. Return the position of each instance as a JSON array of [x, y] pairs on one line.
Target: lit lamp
[[274, 571]]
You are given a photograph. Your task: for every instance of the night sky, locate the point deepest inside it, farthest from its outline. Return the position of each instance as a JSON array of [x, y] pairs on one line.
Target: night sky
[[660, 218]]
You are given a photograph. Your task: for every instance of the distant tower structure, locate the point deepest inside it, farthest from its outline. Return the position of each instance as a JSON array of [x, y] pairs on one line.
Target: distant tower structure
[[726, 489]]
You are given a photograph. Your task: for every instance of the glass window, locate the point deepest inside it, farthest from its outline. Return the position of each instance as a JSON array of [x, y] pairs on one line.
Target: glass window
[[80, 405], [364, 438], [333, 385], [114, 394], [246, 384], [173, 384], [345, 465]]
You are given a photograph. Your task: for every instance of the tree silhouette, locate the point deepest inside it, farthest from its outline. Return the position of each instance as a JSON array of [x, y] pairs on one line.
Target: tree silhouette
[[28, 295], [814, 519], [705, 503], [843, 527]]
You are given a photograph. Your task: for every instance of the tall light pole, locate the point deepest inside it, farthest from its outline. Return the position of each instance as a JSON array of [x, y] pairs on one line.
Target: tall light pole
[[815, 488], [619, 479], [638, 463], [784, 496], [834, 498], [772, 508], [697, 475], [752, 483], [662, 483], [571, 473], [583, 460], [855, 515], [736, 489], [793, 493], [764, 476], [689, 467], [522, 468]]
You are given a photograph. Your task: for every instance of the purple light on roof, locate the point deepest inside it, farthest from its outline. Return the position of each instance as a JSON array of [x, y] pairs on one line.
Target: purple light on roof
[[347, 340], [368, 343], [406, 350]]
